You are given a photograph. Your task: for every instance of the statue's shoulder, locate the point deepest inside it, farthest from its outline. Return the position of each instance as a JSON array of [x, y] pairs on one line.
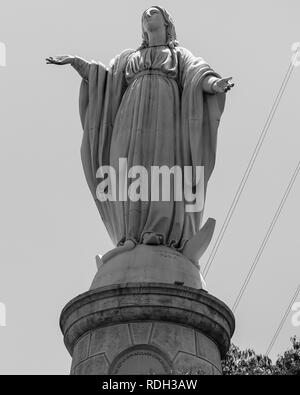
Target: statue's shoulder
[[187, 59], [124, 55], [186, 54], [120, 60], [183, 52]]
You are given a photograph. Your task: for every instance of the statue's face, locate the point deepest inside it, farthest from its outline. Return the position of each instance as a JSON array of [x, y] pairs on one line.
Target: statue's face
[[153, 20]]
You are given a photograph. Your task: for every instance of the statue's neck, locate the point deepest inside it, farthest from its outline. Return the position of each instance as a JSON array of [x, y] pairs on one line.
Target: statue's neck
[[159, 37]]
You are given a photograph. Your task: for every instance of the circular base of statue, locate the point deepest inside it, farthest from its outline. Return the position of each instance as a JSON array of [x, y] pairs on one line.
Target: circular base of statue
[[147, 263], [146, 328]]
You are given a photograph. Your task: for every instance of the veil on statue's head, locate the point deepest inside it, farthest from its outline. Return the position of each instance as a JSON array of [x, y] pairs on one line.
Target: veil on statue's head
[[171, 32]]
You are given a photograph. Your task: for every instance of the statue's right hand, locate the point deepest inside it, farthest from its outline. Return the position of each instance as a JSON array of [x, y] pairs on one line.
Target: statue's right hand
[[60, 60]]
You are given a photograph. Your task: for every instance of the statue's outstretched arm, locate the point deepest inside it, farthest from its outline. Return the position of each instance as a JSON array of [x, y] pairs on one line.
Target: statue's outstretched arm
[[208, 83], [213, 84], [80, 65]]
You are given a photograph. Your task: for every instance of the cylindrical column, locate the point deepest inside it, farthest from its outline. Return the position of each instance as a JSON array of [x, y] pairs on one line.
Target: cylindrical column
[[146, 328]]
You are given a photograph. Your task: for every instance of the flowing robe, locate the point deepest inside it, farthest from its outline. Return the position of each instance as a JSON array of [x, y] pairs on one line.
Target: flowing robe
[[151, 107]]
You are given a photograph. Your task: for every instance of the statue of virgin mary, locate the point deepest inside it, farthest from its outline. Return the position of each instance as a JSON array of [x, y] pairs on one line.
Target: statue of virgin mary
[[157, 105]]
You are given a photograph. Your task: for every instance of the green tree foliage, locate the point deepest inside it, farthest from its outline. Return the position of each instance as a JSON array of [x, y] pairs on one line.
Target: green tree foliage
[[289, 363], [248, 363]]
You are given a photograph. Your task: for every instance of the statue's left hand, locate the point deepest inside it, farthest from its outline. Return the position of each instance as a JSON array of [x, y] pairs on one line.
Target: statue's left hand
[[223, 85]]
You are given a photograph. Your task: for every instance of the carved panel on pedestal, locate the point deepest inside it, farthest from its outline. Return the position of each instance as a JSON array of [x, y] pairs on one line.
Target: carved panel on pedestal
[[141, 360]]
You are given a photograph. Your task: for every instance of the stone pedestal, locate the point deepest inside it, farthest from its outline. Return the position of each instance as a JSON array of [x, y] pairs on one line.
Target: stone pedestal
[[146, 328]]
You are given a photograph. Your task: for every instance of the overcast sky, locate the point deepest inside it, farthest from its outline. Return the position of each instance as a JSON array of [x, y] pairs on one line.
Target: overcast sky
[[50, 227]]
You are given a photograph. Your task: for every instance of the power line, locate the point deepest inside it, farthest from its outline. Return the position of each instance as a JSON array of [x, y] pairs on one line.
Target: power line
[[249, 168], [283, 321], [267, 236]]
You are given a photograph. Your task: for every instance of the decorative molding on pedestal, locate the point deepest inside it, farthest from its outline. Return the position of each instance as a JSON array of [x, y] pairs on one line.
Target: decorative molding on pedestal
[[146, 328]]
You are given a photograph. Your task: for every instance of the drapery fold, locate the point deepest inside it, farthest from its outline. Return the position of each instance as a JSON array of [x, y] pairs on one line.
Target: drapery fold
[[100, 99]]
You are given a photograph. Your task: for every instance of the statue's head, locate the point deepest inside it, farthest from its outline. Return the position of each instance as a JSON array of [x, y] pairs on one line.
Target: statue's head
[[154, 18]]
